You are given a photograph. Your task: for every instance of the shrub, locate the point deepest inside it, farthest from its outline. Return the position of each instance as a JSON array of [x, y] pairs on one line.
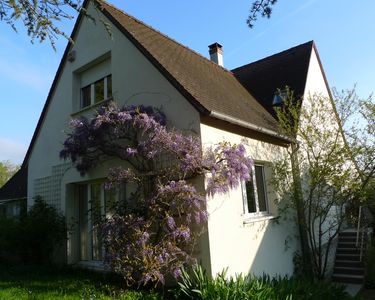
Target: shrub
[[34, 237], [10, 240], [196, 285]]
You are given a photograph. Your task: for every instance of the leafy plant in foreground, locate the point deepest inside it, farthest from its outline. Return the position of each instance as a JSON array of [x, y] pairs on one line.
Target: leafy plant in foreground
[[195, 284]]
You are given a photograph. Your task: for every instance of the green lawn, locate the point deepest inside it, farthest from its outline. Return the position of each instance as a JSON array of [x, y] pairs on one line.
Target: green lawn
[[47, 283]]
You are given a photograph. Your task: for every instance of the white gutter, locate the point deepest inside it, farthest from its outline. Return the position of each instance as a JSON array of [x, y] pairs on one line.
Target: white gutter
[[251, 126], [3, 201]]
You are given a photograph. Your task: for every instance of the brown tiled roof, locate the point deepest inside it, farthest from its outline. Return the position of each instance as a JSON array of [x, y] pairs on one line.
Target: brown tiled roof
[[209, 87], [262, 78], [16, 187]]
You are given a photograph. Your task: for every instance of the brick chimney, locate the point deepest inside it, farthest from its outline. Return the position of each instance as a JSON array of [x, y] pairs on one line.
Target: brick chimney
[[216, 53]]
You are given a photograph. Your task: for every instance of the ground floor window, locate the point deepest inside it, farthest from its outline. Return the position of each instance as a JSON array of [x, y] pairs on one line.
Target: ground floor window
[[94, 203], [255, 192]]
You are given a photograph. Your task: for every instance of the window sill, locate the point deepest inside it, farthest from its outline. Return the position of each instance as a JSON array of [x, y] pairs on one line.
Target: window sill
[[90, 107], [248, 219]]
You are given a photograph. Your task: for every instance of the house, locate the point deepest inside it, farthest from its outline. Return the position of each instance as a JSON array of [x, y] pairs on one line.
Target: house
[[13, 195], [136, 64]]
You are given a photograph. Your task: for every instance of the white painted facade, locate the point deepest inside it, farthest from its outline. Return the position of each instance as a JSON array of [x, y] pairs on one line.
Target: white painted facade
[[246, 243], [135, 81], [241, 242]]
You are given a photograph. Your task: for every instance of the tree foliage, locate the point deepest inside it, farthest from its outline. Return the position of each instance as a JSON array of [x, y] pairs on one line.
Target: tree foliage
[[32, 238], [40, 17], [324, 169], [152, 233], [262, 8], [7, 170]]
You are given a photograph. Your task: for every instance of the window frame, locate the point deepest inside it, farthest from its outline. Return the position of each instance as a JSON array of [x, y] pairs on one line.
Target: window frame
[[258, 213], [86, 228], [107, 95]]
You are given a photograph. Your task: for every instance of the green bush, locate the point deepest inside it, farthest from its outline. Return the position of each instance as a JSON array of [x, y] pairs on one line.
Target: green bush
[[196, 285], [34, 237], [10, 240]]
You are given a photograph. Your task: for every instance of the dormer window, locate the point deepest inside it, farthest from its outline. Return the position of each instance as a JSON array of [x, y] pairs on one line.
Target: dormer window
[[96, 92]]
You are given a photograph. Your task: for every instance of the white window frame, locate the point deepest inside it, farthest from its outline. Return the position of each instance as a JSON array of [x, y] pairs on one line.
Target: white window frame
[[257, 213], [89, 233], [92, 92]]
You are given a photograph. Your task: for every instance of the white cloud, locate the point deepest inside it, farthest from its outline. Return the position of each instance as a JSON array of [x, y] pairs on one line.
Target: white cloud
[[12, 151]]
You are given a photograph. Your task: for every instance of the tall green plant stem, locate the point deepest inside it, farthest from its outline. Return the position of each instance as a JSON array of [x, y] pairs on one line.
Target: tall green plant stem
[[301, 218]]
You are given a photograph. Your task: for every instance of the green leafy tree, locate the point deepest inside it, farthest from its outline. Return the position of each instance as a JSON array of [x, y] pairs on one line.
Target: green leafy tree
[[326, 168], [7, 170], [40, 17]]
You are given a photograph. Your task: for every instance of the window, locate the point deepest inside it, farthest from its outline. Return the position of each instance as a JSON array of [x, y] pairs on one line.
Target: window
[[95, 92], [94, 203], [255, 193]]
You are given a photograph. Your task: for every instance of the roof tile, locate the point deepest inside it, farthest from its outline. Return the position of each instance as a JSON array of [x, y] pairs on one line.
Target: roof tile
[[213, 87]]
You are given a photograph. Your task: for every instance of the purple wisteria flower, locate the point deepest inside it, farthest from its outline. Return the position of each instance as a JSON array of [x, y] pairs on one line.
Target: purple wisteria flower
[[177, 273], [159, 214]]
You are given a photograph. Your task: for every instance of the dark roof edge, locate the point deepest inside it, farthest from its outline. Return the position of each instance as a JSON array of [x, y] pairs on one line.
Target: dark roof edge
[[53, 86], [154, 61], [16, 185], [272, 55]]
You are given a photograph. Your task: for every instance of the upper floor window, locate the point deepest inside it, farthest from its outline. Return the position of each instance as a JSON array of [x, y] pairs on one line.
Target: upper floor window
[[92, 83], [255, 193], [97, 91]]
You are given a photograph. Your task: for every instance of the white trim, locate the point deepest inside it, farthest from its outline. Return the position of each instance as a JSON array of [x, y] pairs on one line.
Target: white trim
[[257, 215], [92, 93], [248, 125], [248, 219]]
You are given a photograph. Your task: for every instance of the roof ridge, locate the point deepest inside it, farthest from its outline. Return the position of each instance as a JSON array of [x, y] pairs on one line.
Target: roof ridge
[[274, 55], [164, 35]]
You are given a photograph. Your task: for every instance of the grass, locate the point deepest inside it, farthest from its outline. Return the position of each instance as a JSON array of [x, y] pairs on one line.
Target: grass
[[52, 282]]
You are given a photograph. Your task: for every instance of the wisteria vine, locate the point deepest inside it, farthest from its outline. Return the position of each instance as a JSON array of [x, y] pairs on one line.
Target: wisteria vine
[[152, 233]]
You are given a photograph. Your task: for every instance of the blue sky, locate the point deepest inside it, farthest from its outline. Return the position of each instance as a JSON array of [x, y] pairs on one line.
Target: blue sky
[[343, 31]]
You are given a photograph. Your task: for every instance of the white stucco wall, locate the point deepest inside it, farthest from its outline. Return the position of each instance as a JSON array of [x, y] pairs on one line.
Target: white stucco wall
[[245, 245], [325, 119], [135, 81]]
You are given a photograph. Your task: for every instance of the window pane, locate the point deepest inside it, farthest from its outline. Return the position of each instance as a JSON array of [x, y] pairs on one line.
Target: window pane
[[95, 221], [259, 178], [86, 96], [99, 90], [83, 221], [250, 197], [109, 86], [110, 198]]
